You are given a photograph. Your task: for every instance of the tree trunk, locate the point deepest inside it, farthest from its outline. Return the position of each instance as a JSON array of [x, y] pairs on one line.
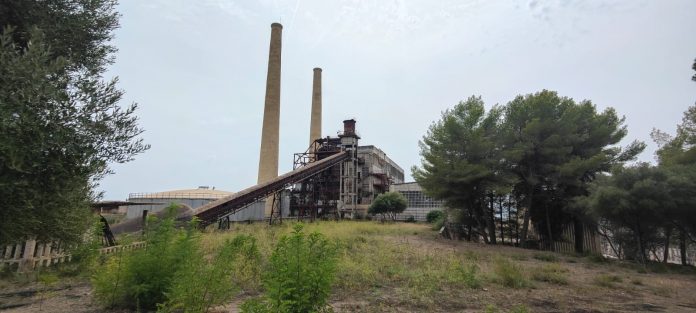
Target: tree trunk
[[468, 226], [525, 225], [682, 246], [517, 222], [548, 227], [579, 234], [502, 229], [490, 220], [665, 254]]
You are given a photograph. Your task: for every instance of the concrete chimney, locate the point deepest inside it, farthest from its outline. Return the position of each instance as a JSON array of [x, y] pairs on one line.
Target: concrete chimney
[[315, 123], [268, 156]]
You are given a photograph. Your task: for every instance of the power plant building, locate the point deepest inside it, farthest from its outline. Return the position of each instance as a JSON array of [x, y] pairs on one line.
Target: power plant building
[[419, 204], [157, 201]]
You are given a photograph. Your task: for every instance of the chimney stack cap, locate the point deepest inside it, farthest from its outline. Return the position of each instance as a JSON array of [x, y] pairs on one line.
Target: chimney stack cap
[[317, 69], [274, 25]]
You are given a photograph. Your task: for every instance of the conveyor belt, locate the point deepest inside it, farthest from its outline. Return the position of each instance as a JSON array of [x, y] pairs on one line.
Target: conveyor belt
[[215, 210]]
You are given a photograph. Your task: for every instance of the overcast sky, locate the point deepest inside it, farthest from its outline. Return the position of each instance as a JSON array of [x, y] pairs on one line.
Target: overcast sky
[[197, 69]]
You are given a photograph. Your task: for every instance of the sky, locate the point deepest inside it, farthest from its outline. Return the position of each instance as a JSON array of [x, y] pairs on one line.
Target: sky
[[197, 71]]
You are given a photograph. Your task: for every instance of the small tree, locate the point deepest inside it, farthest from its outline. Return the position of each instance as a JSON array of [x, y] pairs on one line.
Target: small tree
[[388, 204]]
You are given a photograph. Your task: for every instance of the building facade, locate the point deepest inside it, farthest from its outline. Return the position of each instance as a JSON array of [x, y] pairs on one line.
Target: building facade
[[419, 204]]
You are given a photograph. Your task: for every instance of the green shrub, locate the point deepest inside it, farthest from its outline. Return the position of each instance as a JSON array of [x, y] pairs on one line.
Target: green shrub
[[437, 225], [509, 274], [173, 273], [434, 215], [201, 284], [300, 274], [546, 257], [410, 219], [550, 273], [141, 278]]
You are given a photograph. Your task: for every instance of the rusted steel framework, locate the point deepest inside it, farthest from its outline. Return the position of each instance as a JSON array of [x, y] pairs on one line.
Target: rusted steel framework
[[214, 211], [316, 197]]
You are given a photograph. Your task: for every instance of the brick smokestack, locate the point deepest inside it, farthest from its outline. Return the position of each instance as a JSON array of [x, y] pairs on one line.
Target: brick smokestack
[[268, 158], [315, 123]]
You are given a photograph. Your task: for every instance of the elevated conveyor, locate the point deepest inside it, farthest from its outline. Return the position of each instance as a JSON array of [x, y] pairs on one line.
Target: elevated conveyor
[[215, 210]]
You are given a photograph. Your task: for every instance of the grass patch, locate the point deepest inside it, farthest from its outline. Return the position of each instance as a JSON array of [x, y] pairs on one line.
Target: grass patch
[[550, 273], [546, 257], [608, 281], [519, 257], [509, 274]]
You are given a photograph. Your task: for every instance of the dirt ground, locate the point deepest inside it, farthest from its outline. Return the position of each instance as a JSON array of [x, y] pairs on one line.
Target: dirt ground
[[634, 290]]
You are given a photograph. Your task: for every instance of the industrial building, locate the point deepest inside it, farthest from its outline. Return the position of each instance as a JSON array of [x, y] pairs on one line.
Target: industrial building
[[157, 201], [333, 178], [419, 204]]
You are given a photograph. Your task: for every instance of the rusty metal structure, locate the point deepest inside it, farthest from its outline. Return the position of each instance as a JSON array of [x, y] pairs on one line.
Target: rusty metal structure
[[333, 193]]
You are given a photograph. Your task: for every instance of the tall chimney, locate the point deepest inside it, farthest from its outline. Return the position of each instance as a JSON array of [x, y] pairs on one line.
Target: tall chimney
[[268, 157], [315, 123]]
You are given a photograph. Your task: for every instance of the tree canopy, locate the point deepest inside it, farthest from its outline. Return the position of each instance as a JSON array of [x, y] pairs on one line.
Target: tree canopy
[[61, 124], [540, 149], [388, 204]]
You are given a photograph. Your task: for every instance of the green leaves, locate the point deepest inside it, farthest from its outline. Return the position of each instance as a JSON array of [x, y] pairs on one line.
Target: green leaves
[[541, 148], [299, 276], [61, 128], [388, 203]]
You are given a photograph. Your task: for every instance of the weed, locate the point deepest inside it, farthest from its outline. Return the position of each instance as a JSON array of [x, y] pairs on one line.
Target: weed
[[546, 257], [519, 257], [550, 273], [509, 274], [636, 281], [520, 309], [465, 274], [608, 281], [300, 274], [201, 284]]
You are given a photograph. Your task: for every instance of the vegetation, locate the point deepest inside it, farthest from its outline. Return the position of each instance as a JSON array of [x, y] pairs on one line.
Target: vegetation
[[537, 152], [434, 215], [388, 204], [509, 274], [174, 272], [61, 123], [299, 276]]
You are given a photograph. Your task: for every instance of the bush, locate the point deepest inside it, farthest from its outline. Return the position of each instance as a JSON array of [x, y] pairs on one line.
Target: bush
[[300, 275], [388, 204], [172, 271], [437, 225], [434, 215], [201, 284], [509, 274], [410, 219]]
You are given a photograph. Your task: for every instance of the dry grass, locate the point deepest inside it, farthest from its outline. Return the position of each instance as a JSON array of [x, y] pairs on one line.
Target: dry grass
[[406, 267]]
